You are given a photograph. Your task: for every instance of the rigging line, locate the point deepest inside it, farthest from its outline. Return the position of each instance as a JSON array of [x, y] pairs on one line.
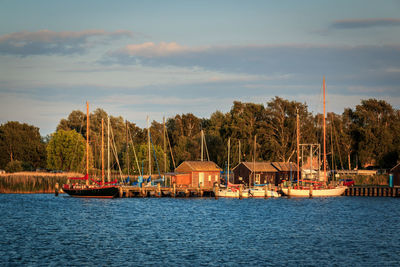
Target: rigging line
[[208, 157], [134, 151], [337, 145], [114, 149], [76, 144], [170, 149], [155, 157]]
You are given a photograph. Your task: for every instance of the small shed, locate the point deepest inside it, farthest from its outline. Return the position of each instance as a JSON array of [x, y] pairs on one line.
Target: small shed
[[286, 171], [199, 173], [395, 171], [264, 172]]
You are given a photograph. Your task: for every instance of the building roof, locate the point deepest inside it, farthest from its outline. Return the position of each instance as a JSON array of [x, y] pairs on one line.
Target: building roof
[[395, 168], [259, 166], [197, 166], [285, 166]]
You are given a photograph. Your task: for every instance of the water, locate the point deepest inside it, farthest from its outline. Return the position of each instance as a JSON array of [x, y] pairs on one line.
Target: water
[[64, 231]]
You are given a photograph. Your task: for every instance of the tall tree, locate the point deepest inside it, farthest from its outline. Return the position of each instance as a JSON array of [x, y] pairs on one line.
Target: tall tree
[[66, 151], [21, 142]]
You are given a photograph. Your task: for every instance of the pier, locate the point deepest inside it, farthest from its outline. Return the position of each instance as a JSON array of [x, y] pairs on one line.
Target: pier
[[372, 191], [158, 191]]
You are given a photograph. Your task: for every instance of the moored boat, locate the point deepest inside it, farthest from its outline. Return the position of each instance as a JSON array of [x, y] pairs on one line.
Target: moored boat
[[321, 189], [98, 189]]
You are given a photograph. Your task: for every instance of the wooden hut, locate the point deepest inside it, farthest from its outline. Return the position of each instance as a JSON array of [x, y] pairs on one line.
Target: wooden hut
[[395, 171], [286, 171], [264, 172], [198, 173]]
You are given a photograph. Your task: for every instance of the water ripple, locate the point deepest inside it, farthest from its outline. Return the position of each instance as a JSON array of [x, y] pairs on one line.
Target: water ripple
[[45, 230]]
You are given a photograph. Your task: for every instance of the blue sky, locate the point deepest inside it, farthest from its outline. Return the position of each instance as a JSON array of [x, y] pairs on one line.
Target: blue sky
[[161, 58]]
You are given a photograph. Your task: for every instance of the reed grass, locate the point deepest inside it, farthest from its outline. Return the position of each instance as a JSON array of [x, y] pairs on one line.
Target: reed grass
[[33, 182]]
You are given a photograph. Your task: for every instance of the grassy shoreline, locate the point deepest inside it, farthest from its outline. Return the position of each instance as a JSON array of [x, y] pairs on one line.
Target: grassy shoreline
[[32, 182]]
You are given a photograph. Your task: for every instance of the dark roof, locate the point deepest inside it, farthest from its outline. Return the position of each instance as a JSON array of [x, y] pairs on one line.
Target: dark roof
[[395, 168], [197, 166], [259, 166], [285, 166]]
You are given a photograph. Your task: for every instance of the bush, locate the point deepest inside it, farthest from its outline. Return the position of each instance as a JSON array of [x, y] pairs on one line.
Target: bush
[[14, 166]]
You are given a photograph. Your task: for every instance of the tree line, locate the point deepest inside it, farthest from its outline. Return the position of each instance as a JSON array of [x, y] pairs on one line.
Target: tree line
[[366, 136]]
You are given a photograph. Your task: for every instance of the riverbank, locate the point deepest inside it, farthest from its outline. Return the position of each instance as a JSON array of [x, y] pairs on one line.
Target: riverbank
[[32, 182]]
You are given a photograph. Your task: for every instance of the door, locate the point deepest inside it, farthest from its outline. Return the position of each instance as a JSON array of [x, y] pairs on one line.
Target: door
[[201, 179]]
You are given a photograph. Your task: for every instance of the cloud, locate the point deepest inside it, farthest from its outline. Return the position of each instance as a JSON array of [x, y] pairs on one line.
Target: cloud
[[46, 42], [350, 65], [365, 23], [150, 49]]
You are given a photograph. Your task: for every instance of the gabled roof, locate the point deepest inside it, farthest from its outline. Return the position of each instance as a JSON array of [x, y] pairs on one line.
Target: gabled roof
[[395, 167], [197, 166], [285, 166], [259, 166]]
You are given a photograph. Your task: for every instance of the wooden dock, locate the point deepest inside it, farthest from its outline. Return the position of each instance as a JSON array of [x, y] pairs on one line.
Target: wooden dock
[[158, 191], [372, 191]]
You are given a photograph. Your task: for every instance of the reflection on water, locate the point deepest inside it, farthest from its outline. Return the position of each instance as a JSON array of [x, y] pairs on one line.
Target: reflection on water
[[48, 230]]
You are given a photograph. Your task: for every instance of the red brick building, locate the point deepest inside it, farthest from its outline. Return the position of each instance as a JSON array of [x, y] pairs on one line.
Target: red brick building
[[197, 173]]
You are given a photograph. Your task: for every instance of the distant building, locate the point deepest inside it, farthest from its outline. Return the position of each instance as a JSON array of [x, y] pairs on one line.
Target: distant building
[[396, 175], [197, 173], [264, 173], [286, 171]]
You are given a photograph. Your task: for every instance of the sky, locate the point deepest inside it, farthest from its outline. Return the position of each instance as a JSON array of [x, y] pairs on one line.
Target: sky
[[161, 58]]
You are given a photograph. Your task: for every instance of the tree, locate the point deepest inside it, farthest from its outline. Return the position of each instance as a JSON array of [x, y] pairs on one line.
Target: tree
[[66, 151], [374, 132], [21, 142]]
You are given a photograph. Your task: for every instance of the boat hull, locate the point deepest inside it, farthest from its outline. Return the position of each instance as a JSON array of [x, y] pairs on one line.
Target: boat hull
[[93, 192], [254, 193], [326, 192]]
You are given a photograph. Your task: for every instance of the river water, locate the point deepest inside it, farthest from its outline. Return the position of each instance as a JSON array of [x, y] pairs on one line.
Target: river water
[[63, 231]]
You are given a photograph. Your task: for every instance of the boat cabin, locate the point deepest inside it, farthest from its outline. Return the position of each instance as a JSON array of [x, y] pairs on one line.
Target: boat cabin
[[197, 174]]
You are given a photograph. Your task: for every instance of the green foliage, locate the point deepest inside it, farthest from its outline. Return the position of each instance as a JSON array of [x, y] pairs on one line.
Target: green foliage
[[66, 151], [21, 142], [14, 166]]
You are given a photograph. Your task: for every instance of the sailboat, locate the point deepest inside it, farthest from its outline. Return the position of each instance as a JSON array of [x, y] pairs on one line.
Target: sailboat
[[233, 190], [314, 189], [98, 189]]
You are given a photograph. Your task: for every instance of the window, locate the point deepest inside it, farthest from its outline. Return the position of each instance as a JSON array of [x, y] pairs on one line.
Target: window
[[209, 178]]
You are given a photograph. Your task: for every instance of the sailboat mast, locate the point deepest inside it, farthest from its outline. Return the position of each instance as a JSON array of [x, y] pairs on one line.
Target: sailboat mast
[[127, 146], [325, 180], [87, 141], [298, 145], [202, 144], [102, 151], [229, 151], [254, 160], [148, 143], [108, 149], [240, 158], [165, 148]]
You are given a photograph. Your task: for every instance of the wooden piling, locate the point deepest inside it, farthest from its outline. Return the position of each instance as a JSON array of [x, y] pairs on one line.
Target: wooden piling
[[241, 191], [158, 190], [311, 191], [265, 191], [216, 191], [56, 189]]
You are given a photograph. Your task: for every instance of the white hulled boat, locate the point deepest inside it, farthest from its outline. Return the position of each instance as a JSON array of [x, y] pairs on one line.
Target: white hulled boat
[[320, 190]]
